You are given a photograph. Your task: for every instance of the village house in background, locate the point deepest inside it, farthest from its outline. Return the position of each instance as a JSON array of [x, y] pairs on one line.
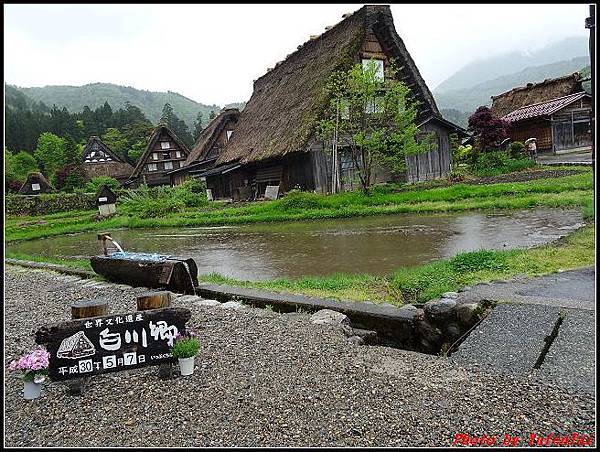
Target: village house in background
[[208, 147], [36, 184], [164, 152], [556, 112], [99, 160], [275, 143]]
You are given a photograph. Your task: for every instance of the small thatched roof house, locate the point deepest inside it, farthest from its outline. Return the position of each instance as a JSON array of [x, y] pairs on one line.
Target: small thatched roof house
[[99, 160], [275, 142], [35, 184], [165, 152], [533, 93], [208, 147]]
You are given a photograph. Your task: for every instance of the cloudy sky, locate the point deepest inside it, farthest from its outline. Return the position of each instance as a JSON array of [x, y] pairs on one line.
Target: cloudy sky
[[212, 53]]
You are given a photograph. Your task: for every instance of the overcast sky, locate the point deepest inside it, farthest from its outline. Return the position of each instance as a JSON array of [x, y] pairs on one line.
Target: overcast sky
[[212, 53]]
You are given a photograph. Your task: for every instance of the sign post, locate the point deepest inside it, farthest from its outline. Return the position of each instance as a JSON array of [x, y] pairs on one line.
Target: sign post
[[98, 345]]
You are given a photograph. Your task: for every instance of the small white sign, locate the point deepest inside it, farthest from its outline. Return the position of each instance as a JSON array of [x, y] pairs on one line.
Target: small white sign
[[35, 187], [209, 195], [272, 192], [104, 198]]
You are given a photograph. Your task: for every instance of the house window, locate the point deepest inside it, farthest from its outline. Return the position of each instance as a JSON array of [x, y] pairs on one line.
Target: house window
[[165, 145], [229, 133], [379, 65], [374, 106], [177, 154], [155, 156], [168, 165], [152, 167], [35, 187], [166, 155], [176, 165]]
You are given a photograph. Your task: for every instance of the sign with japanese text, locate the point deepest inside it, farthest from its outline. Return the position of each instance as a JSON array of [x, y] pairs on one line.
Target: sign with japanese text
[[97, 345]]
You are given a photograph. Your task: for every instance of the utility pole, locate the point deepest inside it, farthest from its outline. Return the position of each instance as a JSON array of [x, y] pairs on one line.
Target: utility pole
[[590, 23]]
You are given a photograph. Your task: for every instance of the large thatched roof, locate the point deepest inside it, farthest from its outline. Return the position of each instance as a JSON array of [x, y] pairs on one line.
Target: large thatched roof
[[210, 134], [281, 115], [158, 131], [533, 93], [110, 164]]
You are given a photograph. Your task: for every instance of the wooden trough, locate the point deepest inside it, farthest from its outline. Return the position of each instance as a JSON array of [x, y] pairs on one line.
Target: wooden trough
[[176, 274]]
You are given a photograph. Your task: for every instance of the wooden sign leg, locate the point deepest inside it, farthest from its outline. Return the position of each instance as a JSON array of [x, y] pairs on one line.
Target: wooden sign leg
[[157, 300], [81, 310]]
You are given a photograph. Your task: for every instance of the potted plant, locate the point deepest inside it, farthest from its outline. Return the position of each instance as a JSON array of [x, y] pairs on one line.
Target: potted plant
[[185, 348], [34, 369]]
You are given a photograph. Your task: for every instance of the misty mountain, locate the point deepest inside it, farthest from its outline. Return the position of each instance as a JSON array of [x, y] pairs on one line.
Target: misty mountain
[[482, 70], [467, 100], [74, 98]]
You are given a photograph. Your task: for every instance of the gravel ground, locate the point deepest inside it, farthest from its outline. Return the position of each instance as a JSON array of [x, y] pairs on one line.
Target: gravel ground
[[267, 379]]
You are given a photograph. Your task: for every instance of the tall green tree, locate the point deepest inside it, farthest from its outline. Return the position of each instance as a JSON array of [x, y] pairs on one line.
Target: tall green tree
[[177, 125], [116, 141], [50, 153], [198, 126], [212, 115], [373, 117]]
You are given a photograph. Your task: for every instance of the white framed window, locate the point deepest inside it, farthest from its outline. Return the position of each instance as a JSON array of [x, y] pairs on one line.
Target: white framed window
[[152, 167], [35, 187], [229, 133], [379, 63], [165, 145], [177, 154], [155, 156], [168, 165], [374, 106]]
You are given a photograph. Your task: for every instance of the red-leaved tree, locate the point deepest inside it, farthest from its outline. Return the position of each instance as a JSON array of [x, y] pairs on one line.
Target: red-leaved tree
[[489, 131]]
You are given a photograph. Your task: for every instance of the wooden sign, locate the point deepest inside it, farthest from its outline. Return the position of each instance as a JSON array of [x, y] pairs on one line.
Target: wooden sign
[[97, 345]]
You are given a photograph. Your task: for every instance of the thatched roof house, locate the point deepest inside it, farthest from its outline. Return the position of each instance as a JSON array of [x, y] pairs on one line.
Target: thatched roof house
[[35, 184], [533, 93], [208, 147], [164, 152], [99, 160], [275, 142]]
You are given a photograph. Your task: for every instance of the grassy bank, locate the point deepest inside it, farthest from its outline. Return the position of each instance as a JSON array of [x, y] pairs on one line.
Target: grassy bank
[[569, 191], [425, 282]]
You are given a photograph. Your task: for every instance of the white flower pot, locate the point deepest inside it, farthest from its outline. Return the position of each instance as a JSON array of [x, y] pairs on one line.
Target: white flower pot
[[186, 365], [31, 390]]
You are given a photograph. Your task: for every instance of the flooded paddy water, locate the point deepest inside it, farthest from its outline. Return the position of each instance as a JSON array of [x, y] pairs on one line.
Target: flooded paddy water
[[377, 245]]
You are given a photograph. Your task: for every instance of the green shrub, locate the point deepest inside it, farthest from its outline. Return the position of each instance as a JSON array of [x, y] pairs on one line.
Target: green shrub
[[96, 182], [588, 210], [48, 203], [516, 150], [463, 154], [492, 163], [300, 200]]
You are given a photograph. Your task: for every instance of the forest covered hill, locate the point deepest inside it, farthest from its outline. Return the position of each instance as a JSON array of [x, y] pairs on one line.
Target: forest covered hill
[[94, 95]]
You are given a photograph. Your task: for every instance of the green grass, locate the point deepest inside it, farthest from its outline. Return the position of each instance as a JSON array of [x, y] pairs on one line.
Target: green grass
[[569, 191], [425, 282], [80, 264]]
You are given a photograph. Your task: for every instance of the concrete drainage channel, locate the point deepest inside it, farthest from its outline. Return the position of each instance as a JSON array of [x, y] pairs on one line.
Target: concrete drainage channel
[[436, 327]]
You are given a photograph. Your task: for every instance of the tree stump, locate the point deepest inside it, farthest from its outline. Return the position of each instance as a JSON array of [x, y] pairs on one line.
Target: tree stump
[[83, 309], [153, 300], [157, 300], [89, 308]]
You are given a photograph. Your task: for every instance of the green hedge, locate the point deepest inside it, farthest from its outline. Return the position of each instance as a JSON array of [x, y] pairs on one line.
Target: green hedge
[[48, 203]]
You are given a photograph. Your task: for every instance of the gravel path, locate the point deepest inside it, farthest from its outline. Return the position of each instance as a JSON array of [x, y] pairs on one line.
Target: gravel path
[[267, 379]]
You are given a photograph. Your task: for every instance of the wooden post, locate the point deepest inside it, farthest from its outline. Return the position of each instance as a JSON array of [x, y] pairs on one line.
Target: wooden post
[[83, 309], [156, 300]]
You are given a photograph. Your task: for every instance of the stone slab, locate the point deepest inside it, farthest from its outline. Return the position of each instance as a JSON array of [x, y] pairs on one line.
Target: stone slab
[[571, 359], [509, 340]]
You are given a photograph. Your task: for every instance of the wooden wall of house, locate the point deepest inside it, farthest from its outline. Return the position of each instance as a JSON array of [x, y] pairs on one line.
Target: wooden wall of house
[[537, 128], [433, 164]]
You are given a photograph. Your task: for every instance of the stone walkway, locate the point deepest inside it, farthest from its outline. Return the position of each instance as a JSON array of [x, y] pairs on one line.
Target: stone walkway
[[584, 158], [543, 327]]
